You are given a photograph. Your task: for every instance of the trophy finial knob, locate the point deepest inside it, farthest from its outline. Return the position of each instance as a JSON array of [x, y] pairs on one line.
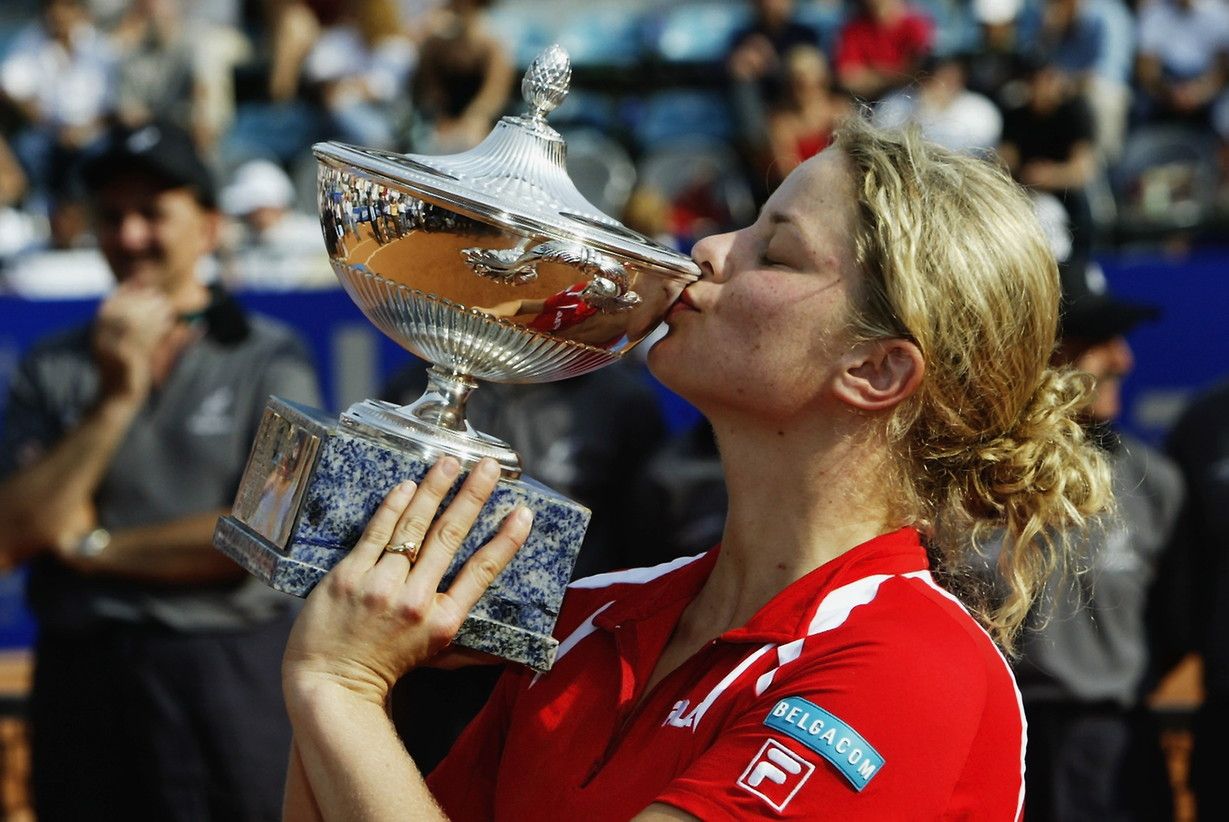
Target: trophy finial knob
[[546, 81]]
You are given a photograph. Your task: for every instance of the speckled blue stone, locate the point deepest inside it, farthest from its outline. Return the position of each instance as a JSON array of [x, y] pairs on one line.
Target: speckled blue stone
[[352, 474]]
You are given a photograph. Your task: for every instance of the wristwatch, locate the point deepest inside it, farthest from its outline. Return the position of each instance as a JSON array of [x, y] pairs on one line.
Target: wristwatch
[[93, 543]]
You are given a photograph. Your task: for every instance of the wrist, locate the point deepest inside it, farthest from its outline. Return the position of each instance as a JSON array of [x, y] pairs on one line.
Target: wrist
[[120, 403], [311, 693]]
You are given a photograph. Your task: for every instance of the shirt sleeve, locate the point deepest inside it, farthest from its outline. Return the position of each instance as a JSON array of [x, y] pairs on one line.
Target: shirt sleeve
[[464, 782], [29, 427], [878, 730]]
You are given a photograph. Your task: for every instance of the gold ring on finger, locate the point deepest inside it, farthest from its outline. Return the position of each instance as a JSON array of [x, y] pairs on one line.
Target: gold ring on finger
[[408, 549]]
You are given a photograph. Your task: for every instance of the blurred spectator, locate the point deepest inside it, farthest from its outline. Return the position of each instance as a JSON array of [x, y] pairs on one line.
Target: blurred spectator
[[67, 264], [1093, 745], [943, 107], [1197, 588], [273, 246], [996, 67], [156, 690], [1048, 145], [273, 117], [18, 230], [756, 65], [1077, 36], [60, 75], [1183, 60], [801, 122], [648, 212], [157, 66], [358, 67], [463, 80], [216, 28], [882, 47], [584, 437]]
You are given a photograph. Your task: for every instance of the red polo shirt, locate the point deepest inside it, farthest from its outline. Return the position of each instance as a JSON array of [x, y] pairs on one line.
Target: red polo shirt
[[861, 689]]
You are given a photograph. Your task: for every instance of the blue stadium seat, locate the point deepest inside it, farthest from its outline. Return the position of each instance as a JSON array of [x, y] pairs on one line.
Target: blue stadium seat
[[698, 32], [956, 29], [523, 29], [826, 17], [678, 113], [603, 36]]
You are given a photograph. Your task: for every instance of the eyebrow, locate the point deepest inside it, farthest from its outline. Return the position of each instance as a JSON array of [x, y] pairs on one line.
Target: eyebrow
[[775, 217]]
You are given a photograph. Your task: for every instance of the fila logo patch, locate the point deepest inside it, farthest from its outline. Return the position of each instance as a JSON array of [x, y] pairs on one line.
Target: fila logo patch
[[828, 736], [775, 774]]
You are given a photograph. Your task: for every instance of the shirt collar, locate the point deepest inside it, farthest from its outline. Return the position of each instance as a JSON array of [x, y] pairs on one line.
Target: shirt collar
[[786, 616], [224, 318]]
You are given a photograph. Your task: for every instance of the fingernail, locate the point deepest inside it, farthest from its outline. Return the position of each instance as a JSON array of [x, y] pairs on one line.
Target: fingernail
[[449, 467], [406, 487], [487, 468], [523, 515]]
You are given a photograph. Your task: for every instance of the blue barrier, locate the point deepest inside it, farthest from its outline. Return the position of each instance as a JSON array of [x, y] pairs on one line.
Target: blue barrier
[[1182, 353]]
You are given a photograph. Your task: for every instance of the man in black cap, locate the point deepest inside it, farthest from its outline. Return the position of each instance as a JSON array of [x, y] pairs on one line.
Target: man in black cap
[[156, 689], [1093, 747]]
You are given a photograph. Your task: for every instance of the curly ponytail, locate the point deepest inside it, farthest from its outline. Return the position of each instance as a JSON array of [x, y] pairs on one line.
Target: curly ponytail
[[956, 262]]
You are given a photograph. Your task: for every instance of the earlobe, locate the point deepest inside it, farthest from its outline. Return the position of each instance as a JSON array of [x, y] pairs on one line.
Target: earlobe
[[880, 374]]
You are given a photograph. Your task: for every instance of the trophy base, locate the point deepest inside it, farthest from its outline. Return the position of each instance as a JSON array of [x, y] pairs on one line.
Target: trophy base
[[311, 484]]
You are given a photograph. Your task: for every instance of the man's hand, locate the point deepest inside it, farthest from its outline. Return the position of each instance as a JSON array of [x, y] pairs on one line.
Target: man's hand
[[129, 332]]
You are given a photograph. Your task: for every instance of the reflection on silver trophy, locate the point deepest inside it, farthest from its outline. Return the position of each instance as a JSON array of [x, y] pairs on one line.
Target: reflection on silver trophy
[[490, 265]]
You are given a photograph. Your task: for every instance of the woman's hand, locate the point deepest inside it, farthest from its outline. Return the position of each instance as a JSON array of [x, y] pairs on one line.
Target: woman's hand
[[377, 613]]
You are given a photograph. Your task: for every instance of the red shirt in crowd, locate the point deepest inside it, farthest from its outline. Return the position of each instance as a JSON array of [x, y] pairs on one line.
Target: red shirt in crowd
[[861, 691], [891, 47]]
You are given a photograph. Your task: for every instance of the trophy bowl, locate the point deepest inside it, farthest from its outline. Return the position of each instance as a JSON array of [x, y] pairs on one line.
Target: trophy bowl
[[490, 265]]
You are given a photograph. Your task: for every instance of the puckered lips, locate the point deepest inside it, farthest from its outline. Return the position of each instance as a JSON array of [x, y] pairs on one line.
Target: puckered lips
[[683, 304]]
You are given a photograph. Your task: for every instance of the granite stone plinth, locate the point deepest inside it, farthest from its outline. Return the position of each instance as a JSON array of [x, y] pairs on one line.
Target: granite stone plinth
[[332, 487]]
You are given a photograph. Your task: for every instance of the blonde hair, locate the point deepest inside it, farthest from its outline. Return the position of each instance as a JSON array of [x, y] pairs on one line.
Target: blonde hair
[[955, 260]]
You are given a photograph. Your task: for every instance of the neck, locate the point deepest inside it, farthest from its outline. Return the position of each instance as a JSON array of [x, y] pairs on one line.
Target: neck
[[800, 496], [190, 297]]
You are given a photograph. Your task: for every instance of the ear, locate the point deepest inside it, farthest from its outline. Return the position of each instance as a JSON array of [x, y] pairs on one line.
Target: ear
[[211, 229], [879, 374]]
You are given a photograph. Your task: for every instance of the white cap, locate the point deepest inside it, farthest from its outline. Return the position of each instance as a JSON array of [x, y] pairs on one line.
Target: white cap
[[257, 184], [994, 12]]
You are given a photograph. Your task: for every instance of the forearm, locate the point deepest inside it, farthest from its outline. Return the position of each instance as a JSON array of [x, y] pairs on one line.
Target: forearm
[[176, 551], [298, 802], [40, 505], [1078, 170], [352, 763]]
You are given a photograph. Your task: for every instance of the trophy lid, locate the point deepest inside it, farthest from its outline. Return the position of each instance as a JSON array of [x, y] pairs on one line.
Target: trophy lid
[[517, 176]]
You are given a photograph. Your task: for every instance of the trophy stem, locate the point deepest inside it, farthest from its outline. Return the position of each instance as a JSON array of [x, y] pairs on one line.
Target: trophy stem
[[443, 403], [434, 424]]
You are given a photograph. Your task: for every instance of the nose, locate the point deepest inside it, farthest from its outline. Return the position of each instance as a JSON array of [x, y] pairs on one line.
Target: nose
[[132, 231], [711, 254]]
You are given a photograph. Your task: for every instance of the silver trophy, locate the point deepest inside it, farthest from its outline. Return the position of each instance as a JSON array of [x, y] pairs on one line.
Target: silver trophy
[[490, 265]]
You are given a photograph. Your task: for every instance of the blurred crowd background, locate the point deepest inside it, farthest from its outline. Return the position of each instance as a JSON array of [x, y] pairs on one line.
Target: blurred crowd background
[[683, 117]]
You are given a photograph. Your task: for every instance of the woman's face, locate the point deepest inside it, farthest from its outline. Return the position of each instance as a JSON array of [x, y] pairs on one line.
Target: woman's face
[[762, 329]]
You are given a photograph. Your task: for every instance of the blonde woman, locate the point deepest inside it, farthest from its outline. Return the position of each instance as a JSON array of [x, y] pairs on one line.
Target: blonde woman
[[872, 353]]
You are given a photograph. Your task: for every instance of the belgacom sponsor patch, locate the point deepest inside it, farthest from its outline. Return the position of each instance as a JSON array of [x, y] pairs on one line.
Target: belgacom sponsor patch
[[775, 774], [828, 736]]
